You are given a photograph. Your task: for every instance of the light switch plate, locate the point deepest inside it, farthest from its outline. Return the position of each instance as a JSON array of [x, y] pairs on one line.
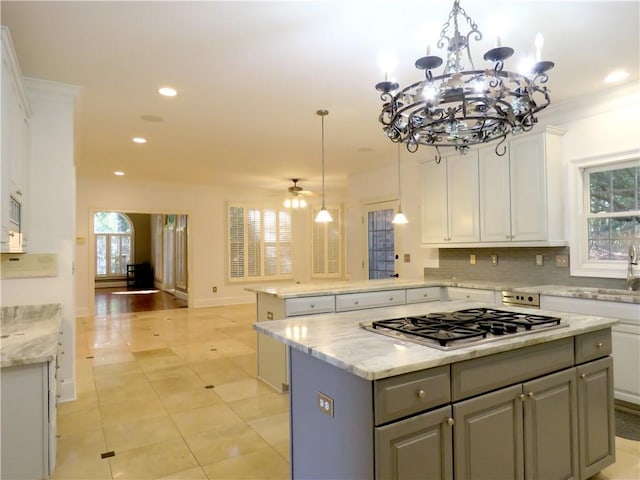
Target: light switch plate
[[539, 260], [472, 259], [325, 404]]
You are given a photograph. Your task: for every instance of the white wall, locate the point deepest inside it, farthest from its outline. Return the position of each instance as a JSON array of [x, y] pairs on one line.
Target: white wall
[[50, 212], [383, 184], [206, 238]]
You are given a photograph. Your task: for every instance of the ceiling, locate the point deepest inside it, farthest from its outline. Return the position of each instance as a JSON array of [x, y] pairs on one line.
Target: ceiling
[[251, 75]]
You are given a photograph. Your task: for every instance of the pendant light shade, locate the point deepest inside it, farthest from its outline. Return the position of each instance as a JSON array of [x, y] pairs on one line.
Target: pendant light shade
[[400, 217], [323, 215]]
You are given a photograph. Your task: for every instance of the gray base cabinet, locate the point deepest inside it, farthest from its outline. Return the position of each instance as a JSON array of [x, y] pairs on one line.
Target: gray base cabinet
[[416, 448], [543, 412], [526, 431], [488, 441], [596, 424]]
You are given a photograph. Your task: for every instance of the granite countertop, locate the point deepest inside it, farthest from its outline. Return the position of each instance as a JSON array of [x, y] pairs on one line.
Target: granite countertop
[[335, 288], [602, 294], [29, 334], [339, 340], [297, 290]]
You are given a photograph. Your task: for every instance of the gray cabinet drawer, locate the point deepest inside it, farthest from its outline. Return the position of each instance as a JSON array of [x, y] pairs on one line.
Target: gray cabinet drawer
[[592, 345], [479, 375], [425, 294], [310, 305], [357, 301], [403, 395]]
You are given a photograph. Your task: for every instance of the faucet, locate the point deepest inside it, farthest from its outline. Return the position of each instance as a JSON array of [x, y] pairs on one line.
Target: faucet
[[632, 280]]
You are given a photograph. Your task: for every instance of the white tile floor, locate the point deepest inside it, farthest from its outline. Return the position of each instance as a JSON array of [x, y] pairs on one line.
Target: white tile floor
[[174, 395]]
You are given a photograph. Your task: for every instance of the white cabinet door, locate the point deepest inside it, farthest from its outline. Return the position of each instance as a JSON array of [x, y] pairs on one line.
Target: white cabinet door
[[527, 162], [434, 203], [462, 196], [495, 196]]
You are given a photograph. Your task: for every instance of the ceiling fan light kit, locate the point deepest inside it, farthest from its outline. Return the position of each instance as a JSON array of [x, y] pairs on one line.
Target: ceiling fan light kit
[[463, 106], [295, 198]]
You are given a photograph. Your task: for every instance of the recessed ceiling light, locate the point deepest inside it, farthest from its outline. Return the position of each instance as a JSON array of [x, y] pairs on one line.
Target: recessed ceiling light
[[139, 140], [616, 76], [167, 91], [118, 173]]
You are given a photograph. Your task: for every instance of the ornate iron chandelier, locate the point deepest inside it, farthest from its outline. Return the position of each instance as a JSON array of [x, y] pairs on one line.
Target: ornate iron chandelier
[[463, 106]]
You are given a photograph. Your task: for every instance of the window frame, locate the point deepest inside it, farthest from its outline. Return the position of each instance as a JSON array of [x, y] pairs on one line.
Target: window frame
[[580, 264], [108, 236], [263, 244]]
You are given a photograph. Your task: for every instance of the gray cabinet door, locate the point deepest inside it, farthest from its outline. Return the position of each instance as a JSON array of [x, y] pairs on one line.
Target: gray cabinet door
[[551, 427], [488, 436], [416, 448], [596, 422]]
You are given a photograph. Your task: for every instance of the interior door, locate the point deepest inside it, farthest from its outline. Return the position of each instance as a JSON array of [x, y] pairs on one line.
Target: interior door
[[381, 240]]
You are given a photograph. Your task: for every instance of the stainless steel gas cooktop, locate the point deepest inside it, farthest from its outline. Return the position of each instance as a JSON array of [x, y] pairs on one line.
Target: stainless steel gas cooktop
[[462, 328]]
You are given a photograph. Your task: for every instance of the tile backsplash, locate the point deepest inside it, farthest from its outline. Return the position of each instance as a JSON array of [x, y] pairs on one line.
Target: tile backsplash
[[514, 264]]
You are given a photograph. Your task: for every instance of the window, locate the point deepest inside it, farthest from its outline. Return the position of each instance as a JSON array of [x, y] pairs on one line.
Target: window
[[259, 244], [114, 244], [381, 249], [604, 207], [326, 246], [613, 211]]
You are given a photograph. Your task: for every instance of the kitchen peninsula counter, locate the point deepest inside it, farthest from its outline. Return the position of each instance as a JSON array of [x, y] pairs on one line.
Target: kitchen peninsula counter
[[339, 340], [288, 290]]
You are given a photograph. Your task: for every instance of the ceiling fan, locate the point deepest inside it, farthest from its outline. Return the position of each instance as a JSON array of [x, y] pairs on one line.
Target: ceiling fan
[[295, 198]]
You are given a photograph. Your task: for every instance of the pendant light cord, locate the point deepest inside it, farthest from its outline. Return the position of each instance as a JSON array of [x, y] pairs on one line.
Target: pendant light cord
[[322, 114], [399, 184]]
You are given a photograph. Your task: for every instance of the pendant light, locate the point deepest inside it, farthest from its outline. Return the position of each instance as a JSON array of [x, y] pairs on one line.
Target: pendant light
[[400, 217], [323, 215]]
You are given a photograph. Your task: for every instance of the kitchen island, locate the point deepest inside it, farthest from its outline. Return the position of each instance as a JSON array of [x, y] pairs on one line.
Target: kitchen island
[[365, 405]]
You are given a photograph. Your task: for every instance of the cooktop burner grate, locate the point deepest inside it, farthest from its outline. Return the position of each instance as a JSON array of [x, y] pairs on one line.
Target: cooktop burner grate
[[463, 326]]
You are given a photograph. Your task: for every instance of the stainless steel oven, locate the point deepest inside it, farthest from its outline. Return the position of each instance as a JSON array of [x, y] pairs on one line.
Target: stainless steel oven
[[521, 299]]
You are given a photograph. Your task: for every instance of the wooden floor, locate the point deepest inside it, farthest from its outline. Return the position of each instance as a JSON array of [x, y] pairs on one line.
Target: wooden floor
[[118, 301]]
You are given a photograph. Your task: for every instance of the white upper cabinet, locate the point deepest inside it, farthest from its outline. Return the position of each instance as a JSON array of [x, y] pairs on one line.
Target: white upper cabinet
[[492, 200], [15, 151], [450, 200]]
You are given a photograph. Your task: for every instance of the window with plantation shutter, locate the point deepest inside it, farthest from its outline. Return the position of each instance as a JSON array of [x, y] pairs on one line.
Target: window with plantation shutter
[[258, 243], [326, 246]]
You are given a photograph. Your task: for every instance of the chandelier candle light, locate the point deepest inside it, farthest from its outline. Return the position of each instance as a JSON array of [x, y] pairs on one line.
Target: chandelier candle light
[[463, 106], [323, 215]]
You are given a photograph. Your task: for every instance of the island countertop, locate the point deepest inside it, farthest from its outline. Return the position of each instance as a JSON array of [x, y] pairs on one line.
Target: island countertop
[[29, 334], [339, 340]]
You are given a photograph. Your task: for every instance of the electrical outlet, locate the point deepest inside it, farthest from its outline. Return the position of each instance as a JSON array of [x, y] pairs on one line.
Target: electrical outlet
[[562, 260], [325, 404], [214, 289], [494, 259], [472, 259], [539, 260]]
